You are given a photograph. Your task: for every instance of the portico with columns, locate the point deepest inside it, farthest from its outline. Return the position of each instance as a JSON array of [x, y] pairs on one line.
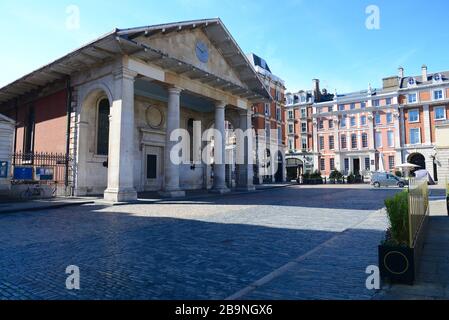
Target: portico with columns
[[161, 82]]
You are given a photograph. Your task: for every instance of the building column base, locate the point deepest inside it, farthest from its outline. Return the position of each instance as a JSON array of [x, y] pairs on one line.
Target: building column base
[[246, 188], [173, 194], [115, 196], [223, 190]]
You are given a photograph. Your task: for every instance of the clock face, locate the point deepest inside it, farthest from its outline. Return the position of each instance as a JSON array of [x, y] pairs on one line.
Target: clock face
[[202, 51]]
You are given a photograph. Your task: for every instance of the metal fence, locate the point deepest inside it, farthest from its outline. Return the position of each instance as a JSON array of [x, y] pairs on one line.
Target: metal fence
[[418, 207], [41, 168]]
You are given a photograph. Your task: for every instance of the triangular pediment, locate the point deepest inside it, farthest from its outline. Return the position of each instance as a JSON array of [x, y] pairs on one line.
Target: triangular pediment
[[182, 45]]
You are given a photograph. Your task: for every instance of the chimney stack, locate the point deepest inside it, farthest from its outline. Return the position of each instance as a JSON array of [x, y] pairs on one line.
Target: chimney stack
[[401, 72], [424, 73], [316, 89]]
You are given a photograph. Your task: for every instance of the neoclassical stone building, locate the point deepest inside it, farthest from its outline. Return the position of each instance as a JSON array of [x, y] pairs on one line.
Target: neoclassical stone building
[[113, 104]]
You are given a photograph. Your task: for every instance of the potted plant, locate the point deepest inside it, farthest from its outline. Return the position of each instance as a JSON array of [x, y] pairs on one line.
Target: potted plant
[[336, 177], [396, 257]]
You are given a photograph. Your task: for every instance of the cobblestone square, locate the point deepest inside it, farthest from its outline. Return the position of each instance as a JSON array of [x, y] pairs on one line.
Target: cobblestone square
[[215, 248]]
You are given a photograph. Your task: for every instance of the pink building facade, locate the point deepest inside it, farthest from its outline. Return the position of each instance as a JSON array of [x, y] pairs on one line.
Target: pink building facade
[[380, 129], [357, 133]]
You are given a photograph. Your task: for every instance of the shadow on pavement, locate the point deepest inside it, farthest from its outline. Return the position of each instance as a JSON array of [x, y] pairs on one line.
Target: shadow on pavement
[[129, 257]]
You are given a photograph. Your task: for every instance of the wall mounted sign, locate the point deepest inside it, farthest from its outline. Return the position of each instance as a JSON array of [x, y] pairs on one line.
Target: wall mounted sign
[[3, 169], [23, 173], [44, 174]]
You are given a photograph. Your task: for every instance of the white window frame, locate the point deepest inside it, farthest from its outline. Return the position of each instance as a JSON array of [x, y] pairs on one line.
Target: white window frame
[[379, 142], [356, 141], [331, 146], [435, 113], [291, 126], [341, 142], [344, 120], [304, 144], [365, 146], [322, 164], [418, 118], [267, 109], [321, 145], [411, 94], [419, 136], [376, 103], [442, 94], [291, 144], [291, 114], [353, 125], [302, 124], [390, 133], [362, 123], [389, 117]]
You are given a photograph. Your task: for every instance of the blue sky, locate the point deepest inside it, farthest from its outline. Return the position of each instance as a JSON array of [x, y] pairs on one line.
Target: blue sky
[[300, 39]]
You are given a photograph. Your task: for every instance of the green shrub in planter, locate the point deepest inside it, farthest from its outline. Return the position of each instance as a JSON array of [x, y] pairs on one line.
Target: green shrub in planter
[[397, 260], [336, 176], [397, 210], [351, 178]]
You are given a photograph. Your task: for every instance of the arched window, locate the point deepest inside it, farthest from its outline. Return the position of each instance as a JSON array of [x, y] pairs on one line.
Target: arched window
[[103, 127]]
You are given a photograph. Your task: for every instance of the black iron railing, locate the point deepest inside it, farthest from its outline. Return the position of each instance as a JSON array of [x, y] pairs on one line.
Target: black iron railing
[[43, 168]]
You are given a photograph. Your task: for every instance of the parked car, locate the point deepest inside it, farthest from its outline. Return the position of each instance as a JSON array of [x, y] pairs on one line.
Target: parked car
[[386, 180]]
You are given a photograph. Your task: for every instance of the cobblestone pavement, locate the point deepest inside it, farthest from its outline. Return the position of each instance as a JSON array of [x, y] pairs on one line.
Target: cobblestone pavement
[[303, 242]]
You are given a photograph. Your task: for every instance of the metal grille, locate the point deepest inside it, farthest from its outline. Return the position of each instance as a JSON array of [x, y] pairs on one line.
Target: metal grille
[[42, 168]]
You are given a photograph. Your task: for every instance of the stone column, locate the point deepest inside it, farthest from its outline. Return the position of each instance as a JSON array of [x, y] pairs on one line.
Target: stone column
[[220, 150], [426, 121], [121, 140], [171, 169], [245, 153], [337, 143]]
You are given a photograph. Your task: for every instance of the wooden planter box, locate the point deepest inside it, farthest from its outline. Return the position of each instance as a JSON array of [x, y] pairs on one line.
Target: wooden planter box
[[397, 264]]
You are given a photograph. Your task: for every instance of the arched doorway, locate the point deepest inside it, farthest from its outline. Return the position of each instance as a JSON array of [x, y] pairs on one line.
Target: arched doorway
[[419, 160], [295, 168]]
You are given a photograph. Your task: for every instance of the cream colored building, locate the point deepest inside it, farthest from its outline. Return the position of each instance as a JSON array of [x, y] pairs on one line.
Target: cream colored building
[[133, 87], [442, 149]]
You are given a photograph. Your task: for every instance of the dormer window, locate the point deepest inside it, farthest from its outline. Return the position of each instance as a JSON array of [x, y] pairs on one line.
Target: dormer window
[[411, 82], [437, 78]]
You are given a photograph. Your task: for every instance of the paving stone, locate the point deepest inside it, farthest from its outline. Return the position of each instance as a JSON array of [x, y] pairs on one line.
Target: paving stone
[[205, 249]]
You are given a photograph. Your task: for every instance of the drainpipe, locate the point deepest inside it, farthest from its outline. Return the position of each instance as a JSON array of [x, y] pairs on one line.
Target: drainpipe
[[67, 150]]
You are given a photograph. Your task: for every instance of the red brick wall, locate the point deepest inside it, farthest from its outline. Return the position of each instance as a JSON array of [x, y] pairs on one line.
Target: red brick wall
[[50, 123]]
